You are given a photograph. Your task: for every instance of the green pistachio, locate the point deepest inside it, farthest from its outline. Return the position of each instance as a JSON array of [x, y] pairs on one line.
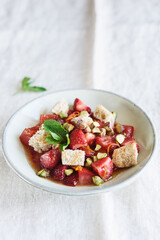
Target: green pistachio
[[43, 173], [101, 155], [88, 162], [120, 138], [97, 180], [97, 147], [68, 172]]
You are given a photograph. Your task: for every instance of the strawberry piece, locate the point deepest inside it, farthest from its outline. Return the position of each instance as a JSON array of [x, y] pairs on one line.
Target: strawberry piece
[[44, 117], [104, 167], [27, 134], [130, 140], [80, 106], [53, 116], [85, 176], [100, 123], [71, 180], [51, 158], [58, 172], [77, 139], [90, 137], [88, 151], [105, 141], [128, 130]]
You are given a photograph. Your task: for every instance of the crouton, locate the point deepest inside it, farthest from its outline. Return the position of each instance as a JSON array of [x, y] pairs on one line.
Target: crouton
[[37, 141], [104, 115], [61, 107], [73, 157], [125, 156]]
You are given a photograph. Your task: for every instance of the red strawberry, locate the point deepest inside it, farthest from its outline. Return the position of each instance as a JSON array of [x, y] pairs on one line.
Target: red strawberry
[[85, 176], [100, 123], [104, 167], [53, 116], [80, 106], [128, 130], [71, 180], [130, 140], [58, 172], [105, 141], [27, 134], [51, 158], [77, 139], [90, 137], [88, 151]]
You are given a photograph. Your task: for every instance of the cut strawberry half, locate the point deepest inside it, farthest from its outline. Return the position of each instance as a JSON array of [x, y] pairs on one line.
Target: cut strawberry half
[[58, 172], [71, 180], [77, 139], [90, 138], [51, 158], [88, 151], [130, 140], [105, 141], [128, 130], [27, 134], [53, 116], [80, 106], [85, 176], [104, 168]]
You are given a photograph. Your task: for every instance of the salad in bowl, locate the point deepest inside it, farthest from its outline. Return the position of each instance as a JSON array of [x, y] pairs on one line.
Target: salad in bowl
[[76, 145]]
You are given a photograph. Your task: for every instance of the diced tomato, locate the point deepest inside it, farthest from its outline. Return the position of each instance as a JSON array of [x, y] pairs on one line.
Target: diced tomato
[[105, 141], [128, 130], [44, 117], [88, 151], [85, 176], [90, 137], [51, 158], [104, 167], [27, 134], [130, 140]]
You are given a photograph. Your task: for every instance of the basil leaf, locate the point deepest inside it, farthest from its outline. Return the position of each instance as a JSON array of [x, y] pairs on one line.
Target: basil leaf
[[51, 140], [63, 146], [26, 86], [55, 127], [58, 135]]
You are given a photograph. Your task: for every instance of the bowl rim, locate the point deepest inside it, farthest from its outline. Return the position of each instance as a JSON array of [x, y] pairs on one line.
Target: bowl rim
[[69, 191]]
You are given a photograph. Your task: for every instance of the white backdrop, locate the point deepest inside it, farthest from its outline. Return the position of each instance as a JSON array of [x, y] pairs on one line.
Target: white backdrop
[[105, 44]]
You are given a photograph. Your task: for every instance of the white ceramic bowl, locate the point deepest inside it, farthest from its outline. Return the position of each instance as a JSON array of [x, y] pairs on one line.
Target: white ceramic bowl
[[28, 115]]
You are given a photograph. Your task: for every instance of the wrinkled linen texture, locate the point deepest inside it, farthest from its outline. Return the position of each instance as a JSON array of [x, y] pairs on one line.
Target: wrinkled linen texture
[[105, 44]]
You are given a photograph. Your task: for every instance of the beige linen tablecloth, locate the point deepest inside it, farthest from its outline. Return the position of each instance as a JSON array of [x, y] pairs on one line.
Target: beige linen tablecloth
[[111, 45]]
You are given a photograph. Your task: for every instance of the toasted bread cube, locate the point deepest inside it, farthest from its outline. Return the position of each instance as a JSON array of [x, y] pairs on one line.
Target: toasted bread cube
[[37, 141], [104, 115], [125, 156], [61, 107], [73, 157]]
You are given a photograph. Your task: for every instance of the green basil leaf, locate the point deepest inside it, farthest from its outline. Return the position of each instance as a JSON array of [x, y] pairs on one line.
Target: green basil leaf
[[51, 125], [63, 146], [51, 140], [58, 135], [26, 86]]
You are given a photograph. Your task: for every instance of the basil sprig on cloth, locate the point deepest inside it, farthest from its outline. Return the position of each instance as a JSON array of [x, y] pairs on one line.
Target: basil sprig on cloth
[[58, 135], [26, 86]]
